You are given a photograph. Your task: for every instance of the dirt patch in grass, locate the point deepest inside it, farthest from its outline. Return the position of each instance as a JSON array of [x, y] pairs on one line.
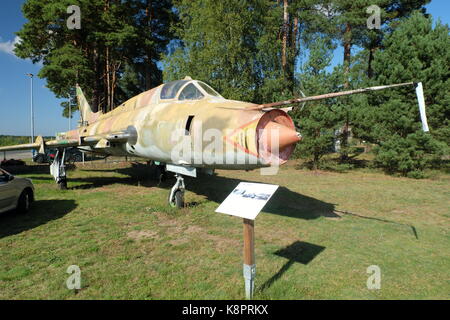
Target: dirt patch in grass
[[179, 241], [120, 189], [142, 234], [183, 232]]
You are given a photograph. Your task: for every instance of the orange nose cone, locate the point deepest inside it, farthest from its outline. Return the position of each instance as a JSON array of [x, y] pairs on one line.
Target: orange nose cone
[[276, 137], [274, 132]]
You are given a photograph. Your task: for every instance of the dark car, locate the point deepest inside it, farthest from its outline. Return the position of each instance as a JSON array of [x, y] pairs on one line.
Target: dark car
[[72, 155], [40, 157]]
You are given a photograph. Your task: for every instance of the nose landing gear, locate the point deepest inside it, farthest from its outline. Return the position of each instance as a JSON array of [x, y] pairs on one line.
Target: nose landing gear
[[176, 196]]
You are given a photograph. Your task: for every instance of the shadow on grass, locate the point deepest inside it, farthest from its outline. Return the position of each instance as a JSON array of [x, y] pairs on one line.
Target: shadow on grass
[[284, 202], [41, 212], [413, 229], [215, 188], [300, 252], [27, 169]]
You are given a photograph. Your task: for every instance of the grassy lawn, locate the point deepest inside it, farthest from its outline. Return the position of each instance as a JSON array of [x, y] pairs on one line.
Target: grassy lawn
[[314, 240]]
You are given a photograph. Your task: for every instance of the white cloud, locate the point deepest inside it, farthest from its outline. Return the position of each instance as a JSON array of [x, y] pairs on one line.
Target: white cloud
[[8, 46]]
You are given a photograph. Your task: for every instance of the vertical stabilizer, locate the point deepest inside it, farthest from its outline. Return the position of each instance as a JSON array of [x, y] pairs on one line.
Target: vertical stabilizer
[[85, 109]]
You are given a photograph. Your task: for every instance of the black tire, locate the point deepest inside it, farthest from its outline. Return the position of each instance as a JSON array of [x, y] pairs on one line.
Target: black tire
[[25, 199], [178, 199], [39, 159], [77, 158], [160, 173], [62, 185]]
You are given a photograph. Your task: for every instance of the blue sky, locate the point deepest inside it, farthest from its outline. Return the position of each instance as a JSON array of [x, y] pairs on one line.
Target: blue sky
[[15, 85]]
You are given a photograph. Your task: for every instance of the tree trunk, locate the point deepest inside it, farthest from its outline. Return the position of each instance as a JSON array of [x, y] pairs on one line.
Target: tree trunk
[[96, 95], [285, 36], [347, 61], [369, 64], [293, 52], [108, 81], [347, 54], [115, 70], [148, 62]]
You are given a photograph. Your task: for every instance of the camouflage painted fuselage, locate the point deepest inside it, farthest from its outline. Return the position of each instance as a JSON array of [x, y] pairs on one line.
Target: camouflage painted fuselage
[[159, 124]]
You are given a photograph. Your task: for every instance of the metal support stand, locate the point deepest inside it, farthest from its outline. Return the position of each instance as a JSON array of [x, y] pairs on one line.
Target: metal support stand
[[249, 278], [249, 258]]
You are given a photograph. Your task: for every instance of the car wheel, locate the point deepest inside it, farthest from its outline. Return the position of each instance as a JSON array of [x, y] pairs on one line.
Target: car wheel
[[39, 159], [24, 203]]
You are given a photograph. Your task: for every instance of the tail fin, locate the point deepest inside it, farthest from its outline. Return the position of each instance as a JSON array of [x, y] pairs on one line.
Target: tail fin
[[85, 109]]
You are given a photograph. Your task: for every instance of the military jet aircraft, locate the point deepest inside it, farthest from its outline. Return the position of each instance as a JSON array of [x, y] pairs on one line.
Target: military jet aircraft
[[185, 126]]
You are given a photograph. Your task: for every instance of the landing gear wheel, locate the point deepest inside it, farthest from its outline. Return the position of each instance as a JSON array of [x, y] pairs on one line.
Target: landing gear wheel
[[24, 202], [62, 184], [178, 199], [39, 159]]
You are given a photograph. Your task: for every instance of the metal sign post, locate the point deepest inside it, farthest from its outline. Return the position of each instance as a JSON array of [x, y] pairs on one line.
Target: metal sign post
[[249, 257], [246, 201]]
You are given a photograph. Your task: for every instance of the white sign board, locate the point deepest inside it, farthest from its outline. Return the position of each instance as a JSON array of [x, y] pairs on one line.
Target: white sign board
[[247, 199]]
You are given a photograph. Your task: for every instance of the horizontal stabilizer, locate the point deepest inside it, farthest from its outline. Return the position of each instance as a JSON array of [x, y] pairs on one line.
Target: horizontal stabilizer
[[37, 145]]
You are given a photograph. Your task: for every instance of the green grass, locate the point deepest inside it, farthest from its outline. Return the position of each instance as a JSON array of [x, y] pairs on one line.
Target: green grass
[[314, 240]]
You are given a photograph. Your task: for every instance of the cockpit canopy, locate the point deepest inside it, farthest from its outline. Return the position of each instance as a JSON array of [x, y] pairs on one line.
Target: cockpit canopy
[[187, 90]]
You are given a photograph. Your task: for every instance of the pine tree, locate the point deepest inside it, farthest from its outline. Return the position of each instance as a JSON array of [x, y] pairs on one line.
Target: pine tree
[[114, 34], [283, 43], [350, 19], [248, 50], [415, 51], [219, 45], [317, 121]]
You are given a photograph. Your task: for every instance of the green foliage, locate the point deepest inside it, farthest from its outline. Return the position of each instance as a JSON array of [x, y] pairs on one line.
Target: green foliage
[[219, 45], [12, 140], [414, 51], [116, 38], [410, 155], [236, 46], [317, 122]]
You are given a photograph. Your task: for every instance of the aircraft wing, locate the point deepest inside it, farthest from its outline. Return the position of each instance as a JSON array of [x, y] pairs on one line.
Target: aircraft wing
[[97, 141]]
